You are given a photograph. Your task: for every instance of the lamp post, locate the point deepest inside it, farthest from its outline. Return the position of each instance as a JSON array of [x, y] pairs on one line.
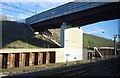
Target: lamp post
[[115, 36]]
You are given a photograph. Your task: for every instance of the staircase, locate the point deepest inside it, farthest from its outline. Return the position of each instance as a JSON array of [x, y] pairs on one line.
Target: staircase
[[51, 39], [44, 35], [96, 49]]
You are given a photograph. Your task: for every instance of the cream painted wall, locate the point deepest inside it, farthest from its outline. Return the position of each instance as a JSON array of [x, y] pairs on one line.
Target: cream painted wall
[[73, 38], [72, 43], [72, 55], [59, 56]]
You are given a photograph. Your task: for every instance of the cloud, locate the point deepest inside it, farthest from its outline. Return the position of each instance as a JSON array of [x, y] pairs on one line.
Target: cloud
[[37, 0], [60, 0], [20, 13], [18, 17], [43, 6], [97, 31], [94, 31], [22, 16]]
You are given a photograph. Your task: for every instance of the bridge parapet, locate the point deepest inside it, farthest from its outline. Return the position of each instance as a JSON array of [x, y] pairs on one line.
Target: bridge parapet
[[65, 9]]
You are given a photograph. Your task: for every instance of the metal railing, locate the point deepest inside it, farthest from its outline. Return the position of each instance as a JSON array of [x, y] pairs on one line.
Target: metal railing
[[63, 10]]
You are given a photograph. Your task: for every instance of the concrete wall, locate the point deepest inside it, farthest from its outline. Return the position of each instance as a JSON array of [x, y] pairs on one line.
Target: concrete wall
[[73, 38], [59, 56], [72, 55], [65, 55], [85, 54], [63, 34], [72, 43]]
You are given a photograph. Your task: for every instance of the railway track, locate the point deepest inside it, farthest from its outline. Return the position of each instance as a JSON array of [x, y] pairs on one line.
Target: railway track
[[83, 70], [77, 71]]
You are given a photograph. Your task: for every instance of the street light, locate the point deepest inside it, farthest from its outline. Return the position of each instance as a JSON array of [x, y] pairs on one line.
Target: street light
[[115, 36]]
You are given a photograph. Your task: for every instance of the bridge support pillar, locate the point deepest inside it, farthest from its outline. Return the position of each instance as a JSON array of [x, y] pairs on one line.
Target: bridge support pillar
[[40, 56], [72, 41], [10, 60], [21, 59], [71, 37], [47, 57], [64, 26], [31, 59], [1, 57]]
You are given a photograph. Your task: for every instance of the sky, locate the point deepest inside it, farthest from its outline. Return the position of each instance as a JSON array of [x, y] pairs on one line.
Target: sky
[[18, 10], [104, 29], [21, 10]]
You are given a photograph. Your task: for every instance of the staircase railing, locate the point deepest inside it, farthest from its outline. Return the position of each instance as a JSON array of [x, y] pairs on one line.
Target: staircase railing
[[51, 40], [95, 48]]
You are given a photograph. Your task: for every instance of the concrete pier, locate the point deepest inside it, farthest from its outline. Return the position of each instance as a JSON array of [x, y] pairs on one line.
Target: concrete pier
[[40, 56], [31, 59], [10, 60]]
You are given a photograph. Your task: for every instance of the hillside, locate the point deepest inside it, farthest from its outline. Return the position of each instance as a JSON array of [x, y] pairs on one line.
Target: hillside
[[91, 40], [19, 35], [88, 40]]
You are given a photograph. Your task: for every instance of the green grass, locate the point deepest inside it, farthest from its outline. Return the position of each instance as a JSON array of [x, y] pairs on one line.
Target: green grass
[[96, 41], [56, 34], [19, 35], [87, 40]]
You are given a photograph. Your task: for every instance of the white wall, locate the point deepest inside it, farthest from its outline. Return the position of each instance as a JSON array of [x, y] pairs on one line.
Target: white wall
[[73, 38], [73, 55], [59, 56], [62, 34], [72, 43]]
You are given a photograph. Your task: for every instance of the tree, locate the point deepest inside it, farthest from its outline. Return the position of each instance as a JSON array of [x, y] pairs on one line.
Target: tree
[[3, 17]]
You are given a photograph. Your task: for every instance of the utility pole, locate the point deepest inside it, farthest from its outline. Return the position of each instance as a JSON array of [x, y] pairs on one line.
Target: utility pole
[[35, 8], [115, 36], [119, 30]]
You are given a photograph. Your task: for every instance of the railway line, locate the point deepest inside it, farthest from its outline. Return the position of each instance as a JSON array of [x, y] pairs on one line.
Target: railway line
[[107, 67], [86, 69]]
